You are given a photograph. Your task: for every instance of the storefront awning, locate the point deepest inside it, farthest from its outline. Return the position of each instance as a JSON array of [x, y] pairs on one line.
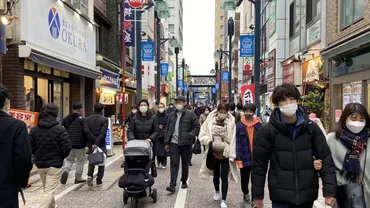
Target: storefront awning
[[110, 65], [346, 45], [47, 60]]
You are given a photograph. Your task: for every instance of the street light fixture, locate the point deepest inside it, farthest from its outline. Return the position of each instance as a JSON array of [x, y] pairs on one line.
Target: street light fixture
[[229, 5]]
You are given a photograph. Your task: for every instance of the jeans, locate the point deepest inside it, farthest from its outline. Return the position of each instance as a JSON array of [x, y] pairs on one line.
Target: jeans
[[78, 156], [221, 170], [50, 178], [288, 205], [177, 152], [244, 176]]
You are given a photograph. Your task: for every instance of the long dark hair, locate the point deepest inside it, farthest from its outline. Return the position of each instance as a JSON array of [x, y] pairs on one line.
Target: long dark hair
[[223, 106], [349, 110]]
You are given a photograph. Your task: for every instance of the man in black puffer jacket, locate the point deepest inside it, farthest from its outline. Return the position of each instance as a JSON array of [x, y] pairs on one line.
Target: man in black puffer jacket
[[291, 142], [98, 125], [50, 145], [74, 124]]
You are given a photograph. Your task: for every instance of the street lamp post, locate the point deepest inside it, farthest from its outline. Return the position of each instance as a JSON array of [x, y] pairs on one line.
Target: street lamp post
[[177, 70], [158, 56], [230, 34], [183, 76]]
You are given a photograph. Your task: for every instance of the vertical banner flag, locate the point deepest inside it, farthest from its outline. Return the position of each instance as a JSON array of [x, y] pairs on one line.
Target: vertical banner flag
[[147, 50], [217, 86], [246, 45], [181, 83], [247, 93], [225, 76], [164, 69], [186, 87], [128, 16], [213, 90]]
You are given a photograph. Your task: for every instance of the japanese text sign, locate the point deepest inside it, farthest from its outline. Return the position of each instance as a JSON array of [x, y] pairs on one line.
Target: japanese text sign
[[246, 45]]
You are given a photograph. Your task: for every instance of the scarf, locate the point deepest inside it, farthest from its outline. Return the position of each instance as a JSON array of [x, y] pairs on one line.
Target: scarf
[[355, 144]]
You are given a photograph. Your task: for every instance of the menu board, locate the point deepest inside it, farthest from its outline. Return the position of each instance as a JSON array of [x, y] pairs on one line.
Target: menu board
[[29, 117]]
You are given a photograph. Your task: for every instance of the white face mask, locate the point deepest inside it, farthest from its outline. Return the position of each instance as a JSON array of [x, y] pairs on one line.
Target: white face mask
[[221, 116], [206, 112], [134, 111], [179, 107], [355, 126], [289, 110], [161, 110], [143, 109]]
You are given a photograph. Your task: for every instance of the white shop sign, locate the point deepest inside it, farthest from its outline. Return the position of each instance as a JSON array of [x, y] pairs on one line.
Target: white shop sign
[[52, 28], [313, 33]]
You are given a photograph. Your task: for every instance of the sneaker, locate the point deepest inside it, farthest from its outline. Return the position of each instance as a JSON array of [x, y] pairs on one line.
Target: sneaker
[[79, 181], [171, 189], [160, 166], [99, 184], [90, 181], [246, 199], [253, 205], [190, 164], [216, 197], [64, 178], [164, 167], [184, 185], [223, 204]]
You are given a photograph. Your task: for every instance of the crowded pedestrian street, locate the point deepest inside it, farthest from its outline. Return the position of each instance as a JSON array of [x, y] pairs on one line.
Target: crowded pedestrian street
[[198, 195]]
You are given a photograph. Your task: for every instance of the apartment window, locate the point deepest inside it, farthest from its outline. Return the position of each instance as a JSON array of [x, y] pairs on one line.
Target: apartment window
[[352, 11], [221, 27], [172, 11], [291, 20], [81, 5], [222, 46], [222, 17], [222, 36], [98, 39], [171, 28], [313, 10]]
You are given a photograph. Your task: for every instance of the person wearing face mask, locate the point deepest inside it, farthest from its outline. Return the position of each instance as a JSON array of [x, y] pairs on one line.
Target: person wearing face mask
[[348, 145], [287, 145], [246, 131], [15, 153], [181, 129], [198, 110], [236, 114], [218, 135], [171, 109], [204, 115], [134, 110], [162, 117]]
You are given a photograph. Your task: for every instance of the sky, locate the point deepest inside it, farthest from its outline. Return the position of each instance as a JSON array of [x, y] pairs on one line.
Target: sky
[[199, 35]]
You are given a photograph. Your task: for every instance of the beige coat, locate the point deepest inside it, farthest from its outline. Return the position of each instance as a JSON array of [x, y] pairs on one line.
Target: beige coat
[[205, 137]]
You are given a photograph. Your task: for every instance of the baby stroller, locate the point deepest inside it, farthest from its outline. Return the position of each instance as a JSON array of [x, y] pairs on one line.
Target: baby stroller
[[137, 182]]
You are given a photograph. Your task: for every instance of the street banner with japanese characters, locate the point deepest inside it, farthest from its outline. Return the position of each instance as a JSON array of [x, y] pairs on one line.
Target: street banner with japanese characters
[[246, 45], [164, 69], [247, 93], [128, 16], [29, 117], [147, 51]]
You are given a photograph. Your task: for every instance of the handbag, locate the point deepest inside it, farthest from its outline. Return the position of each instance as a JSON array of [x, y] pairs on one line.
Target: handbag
[[97, 157], [197, 149], [352, 195], [211, 160]]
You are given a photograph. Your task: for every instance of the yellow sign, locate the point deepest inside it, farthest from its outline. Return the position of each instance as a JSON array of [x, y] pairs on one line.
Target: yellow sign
[[186, 76], [30, 118]]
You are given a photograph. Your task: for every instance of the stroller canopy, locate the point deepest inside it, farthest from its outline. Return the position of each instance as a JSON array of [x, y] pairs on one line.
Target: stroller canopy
[[138, 148]]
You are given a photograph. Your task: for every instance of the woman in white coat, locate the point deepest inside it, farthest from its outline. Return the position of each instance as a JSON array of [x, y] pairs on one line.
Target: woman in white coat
[[218, 134]]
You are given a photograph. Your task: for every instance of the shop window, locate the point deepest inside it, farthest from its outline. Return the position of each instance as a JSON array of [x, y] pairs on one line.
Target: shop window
[[57, 91], [42, 93], [66, 99], [29, 65], [81, 5], [29, 93], [313, 10], [351, 12], [43, 69]]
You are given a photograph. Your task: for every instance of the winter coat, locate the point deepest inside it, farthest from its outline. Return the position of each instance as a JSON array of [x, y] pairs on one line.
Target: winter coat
[[15, 154], [170, 111], [74, 124], [143, 127], [50, 143], [205, 138], [338, 153], [288, 153], [198, 111], [202, 119], [98, 126], [162, 120], [237, 116], [243, 144], [128, 118], [188, 128]]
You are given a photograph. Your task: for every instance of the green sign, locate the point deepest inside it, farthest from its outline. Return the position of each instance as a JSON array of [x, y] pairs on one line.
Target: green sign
[[272, 18]]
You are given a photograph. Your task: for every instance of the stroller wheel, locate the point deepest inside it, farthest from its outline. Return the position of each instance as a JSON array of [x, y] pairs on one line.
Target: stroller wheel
[[125, 197], [154, 195]]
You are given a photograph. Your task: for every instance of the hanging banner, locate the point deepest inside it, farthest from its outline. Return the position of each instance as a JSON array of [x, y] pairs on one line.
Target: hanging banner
[[246, 45], [169, 76], [164, 69], [128, 16], [186, 88], [181, 84], [147, 51], [213, 90], [247, 93], [225, 76], [217, 86], [28, 117]]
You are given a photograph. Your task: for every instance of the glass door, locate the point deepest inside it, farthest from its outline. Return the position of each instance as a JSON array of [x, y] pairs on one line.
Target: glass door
[[58, 97]]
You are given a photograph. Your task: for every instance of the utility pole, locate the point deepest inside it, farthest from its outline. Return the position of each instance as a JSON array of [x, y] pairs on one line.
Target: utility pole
[[158, 57], [138, 63], [177, 50], [257, 56], [230, 34]]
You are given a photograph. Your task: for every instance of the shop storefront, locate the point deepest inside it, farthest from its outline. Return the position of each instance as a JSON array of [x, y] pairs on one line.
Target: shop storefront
[[57, 62]]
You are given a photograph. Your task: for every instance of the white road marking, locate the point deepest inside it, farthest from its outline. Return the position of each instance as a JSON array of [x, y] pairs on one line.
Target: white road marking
[[181, 197], [74, 186]]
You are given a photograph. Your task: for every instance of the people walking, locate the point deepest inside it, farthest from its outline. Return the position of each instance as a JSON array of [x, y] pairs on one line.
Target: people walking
[[171, 109], [50, 146], [15, 151], [246, 131], [74, 124], [349, 147], [204, 115], [134, 110], [236, 114], [98, 126], [287, 145], [181, 129], [162, 118], [198, 110], [218, 135]]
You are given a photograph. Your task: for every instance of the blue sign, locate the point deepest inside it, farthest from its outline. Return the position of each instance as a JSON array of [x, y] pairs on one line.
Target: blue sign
[[213, 90], [186, 88], [164, 69], [128, 15], [225, 76], [181, 83], [147, 51], [217, 85], [246, 45], [110, 79]]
